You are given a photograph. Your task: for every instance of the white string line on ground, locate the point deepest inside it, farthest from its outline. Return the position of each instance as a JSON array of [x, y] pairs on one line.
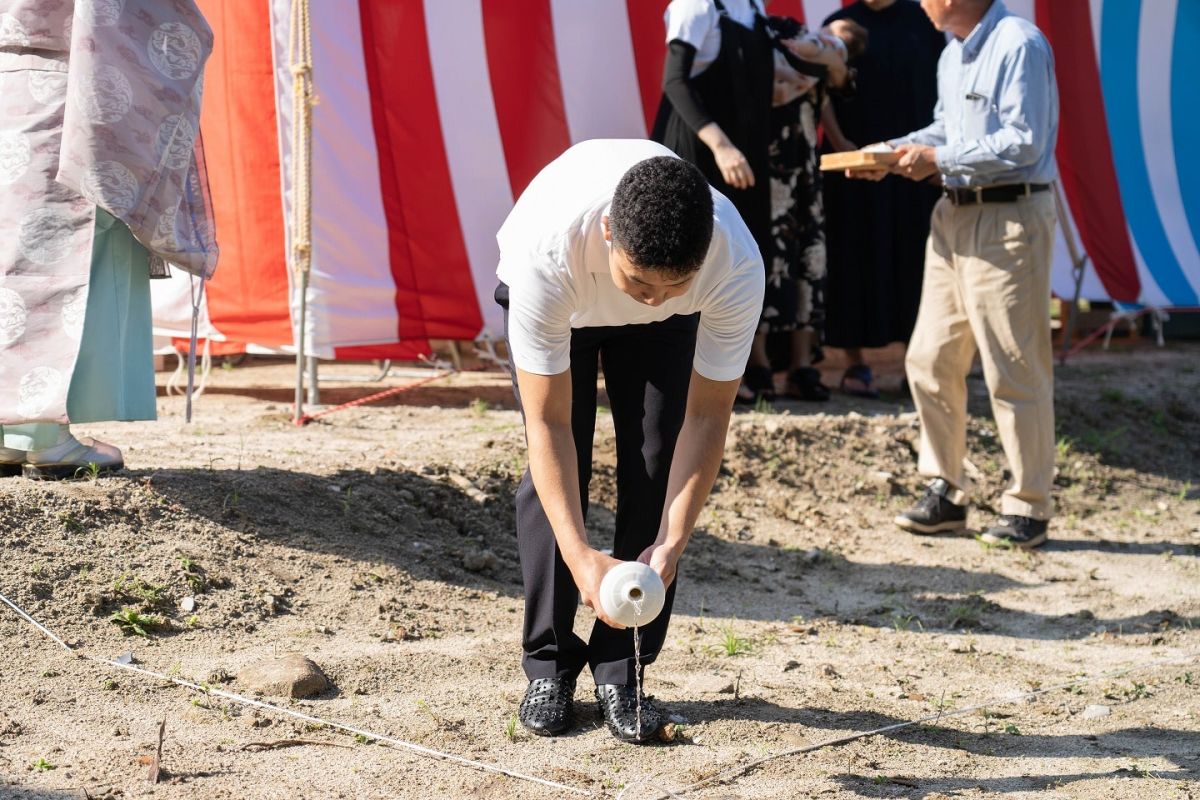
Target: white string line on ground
[[666, 794], [737, 772], [247, 701]]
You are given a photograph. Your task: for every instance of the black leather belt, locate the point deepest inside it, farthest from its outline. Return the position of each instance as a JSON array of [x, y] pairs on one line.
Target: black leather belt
[[993, 194]]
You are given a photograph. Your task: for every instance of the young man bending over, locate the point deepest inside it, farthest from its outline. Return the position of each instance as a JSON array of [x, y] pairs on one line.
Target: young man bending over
[[617, 256]]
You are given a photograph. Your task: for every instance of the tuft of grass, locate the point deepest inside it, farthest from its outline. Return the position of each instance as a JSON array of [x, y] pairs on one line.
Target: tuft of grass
[[134, 623], [1136, 691], [731, 644], [42, 765], [193, 575], [69, 523], [130, 588], [91, 472], [905, 622], [1063, 447], [1003, 544], [964, 615], [510, 728], [1012, 730], [480, 407], [362, 739]]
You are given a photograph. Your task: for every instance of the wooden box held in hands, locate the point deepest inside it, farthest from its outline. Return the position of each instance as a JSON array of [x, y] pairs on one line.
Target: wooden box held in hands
[[857, 159]]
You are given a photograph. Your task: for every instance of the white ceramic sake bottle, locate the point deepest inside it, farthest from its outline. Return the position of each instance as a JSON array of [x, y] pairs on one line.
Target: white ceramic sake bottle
[[632, 594]]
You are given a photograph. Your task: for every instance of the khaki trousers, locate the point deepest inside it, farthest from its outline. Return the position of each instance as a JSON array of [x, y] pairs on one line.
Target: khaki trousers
[[987, 287]]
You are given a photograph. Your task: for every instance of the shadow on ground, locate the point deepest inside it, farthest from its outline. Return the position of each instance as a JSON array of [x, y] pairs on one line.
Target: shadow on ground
[[1124, 747], [460, 530]]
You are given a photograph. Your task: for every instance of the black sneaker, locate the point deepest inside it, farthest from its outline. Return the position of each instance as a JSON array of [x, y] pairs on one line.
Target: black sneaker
[[618, 704], [1016, 531], [548, 708], [934, 513]]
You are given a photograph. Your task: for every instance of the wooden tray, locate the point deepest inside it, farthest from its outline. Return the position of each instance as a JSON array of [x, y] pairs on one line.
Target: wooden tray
[[857, 159]]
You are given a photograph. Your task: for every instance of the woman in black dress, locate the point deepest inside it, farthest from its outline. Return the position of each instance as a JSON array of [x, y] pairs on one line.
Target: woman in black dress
[[716, 113], [876, 232]]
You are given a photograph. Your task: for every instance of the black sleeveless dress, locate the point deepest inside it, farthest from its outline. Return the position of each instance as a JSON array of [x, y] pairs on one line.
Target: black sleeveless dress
[[736, 92]]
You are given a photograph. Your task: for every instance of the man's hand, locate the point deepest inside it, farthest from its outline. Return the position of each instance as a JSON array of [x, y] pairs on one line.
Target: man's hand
[[588, 568], [663, 559], [917, 161]]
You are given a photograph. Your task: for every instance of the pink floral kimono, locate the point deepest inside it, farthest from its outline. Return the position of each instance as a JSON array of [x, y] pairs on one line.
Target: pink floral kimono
[[99, 107]]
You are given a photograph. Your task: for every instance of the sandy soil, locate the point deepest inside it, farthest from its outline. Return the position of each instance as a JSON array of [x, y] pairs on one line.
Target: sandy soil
[[350, 540]]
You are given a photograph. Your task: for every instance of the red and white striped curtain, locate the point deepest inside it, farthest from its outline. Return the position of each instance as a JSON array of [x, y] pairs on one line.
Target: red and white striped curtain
[[432, 117]]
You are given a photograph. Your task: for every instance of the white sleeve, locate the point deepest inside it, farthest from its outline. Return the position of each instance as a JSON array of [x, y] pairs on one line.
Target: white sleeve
[[690, 21], [729, 321], [540, 304]]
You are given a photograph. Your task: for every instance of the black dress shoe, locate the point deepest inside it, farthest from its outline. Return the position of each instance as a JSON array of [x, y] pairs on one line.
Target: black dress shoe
[[548, 707], [1016, 531], [618, 704], [935, 513]]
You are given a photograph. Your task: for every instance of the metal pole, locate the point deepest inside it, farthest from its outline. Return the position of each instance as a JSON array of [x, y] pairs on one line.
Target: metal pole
[[299, 401], [1078, 265], [300, 60]]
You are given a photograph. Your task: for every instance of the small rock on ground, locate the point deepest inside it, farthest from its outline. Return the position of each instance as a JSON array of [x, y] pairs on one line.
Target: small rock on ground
[[288, 676], [479, 560]]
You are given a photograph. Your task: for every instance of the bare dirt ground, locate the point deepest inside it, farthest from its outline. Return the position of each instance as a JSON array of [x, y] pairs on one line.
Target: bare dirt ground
[[379, 542]]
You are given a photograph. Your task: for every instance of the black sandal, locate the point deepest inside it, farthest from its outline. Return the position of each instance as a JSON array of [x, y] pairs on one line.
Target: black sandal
[[804, 383], [862, 374], [758, 385]]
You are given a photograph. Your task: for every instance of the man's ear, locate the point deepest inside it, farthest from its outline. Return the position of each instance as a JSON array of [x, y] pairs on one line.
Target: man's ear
[[607, 230]]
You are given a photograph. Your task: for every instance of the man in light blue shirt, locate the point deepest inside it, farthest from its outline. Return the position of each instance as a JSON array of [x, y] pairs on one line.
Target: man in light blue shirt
[[987, 264]]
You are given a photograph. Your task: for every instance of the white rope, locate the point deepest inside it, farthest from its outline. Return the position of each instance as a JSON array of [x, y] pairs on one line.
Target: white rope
[[174, 383], [247, 701]]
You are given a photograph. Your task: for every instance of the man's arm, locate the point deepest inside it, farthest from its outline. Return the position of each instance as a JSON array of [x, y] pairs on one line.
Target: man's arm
[[917, 161], [546, 401], [698, 452]]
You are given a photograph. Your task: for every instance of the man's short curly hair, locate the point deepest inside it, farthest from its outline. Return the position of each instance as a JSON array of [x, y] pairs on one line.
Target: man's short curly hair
[[662, 216]]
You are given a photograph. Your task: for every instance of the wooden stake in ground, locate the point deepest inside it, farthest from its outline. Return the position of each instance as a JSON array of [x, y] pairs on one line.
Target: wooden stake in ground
[[156, 762]]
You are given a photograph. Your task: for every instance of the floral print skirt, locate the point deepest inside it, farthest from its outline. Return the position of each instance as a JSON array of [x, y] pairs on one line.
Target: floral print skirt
[[794, 298]]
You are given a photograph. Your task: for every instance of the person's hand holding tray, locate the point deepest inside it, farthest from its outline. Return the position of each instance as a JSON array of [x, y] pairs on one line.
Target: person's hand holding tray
[[873, 157]]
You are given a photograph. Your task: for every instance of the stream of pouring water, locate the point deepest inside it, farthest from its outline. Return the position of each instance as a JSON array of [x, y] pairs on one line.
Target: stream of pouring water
[[637, 673], [637, 664]]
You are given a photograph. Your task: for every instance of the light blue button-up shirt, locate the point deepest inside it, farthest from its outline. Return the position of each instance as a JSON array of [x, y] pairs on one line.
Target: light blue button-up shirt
[[996, 119]]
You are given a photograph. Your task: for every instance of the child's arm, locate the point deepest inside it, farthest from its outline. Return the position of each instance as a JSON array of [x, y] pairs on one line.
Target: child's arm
[[813, 49], [816, 48]]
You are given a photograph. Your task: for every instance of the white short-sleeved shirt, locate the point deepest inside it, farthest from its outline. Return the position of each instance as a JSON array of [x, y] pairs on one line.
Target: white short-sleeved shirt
[[554, 258], [698, 23]]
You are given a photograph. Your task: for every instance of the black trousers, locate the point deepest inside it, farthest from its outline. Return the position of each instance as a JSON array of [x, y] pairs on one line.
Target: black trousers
[[647, 369]]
